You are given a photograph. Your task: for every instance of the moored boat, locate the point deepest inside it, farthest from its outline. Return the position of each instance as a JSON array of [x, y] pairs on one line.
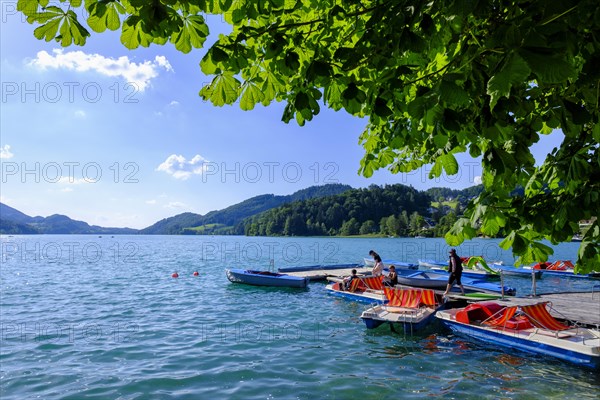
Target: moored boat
[[432, 264], [514, 271], [363, 289], [434, 280], [409, 308], [318, 267], [526, 327], [264, 278], [562, 268], [369, 262], [470, 273], [473, 267]]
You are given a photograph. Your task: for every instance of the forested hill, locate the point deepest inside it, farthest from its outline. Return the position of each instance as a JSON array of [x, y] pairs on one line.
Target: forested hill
[[461, 195], [13, 221], [349, 213], [223, 221]]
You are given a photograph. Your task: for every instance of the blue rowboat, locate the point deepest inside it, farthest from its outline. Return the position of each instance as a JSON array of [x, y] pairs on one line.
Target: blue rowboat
[[433, 280], [369, 262], [265, 278], [475, 272], [514, 271], [318, 267]]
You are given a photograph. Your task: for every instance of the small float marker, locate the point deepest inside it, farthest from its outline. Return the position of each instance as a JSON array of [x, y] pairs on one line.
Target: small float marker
[[175, 275], [196, 273]]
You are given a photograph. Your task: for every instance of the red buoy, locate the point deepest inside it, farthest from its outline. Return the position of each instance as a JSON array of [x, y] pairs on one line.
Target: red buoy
[[175, 275], [196, 273]]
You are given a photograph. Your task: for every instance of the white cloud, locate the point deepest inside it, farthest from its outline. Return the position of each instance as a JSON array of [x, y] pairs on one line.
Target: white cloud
[[180, 168], [477, 180], [139, 74], [69, 180], [67, 189], [151, 202], [80, 114], [175, 205], [5, 152], [163, 62], [174, 103]]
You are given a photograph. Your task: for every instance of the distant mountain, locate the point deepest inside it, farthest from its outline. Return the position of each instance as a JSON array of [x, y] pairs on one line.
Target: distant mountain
[[15, 222], [224, 221], [333, 209], [10, 214]]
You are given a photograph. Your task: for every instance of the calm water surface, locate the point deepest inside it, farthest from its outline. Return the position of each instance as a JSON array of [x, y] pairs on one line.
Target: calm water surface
[[101, 317]]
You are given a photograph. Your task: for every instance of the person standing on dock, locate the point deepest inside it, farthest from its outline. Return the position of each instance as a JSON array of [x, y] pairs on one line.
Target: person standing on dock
[[372, 253], [455, 270]]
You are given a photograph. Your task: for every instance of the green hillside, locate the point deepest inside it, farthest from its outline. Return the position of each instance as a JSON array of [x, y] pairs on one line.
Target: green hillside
[[227, 219]]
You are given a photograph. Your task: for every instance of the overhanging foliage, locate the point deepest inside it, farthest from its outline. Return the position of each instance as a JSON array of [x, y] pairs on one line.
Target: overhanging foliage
[[434, 79]]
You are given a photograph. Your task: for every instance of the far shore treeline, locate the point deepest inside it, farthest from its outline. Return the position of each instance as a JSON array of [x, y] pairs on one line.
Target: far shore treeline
[[394, 210], [328, 210]]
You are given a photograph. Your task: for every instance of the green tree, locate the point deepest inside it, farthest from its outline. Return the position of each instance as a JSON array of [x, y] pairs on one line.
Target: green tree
[[383, 226], [350, 227], [368, 227], [393, 227], [416, 222], [433, 78]]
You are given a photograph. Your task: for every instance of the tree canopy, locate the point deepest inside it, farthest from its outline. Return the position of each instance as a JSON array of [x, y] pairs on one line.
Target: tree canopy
[[342, 214], [433, 78]]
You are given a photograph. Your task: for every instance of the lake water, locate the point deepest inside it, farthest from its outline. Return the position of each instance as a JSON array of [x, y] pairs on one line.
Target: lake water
[[101, 317]]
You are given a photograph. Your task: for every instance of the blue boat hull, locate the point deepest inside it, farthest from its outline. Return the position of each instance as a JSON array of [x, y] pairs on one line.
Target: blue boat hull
[[569, 274], [265, 278], [357, 296], [498, 338], [318, 267], [514, 271], [437, 280], [407, 327]]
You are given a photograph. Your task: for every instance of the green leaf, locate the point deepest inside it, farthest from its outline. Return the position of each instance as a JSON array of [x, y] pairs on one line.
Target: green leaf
[[451, 93], [514, 71], [436, 169], [548, 66], [508, 241], [251, 94], [47, 31], [450, 164], [222, 90], [133, 35]]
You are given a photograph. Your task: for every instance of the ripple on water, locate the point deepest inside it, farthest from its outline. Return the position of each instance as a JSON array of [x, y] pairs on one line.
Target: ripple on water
[[128, 330]]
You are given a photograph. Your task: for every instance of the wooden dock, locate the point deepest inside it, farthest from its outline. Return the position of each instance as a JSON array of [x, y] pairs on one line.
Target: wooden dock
[[580, 307]]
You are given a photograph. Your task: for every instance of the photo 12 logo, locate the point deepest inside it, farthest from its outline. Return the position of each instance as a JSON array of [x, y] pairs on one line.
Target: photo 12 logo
[[269, 171], [469, 171], [68, 172], [68, 252], [14, 332], [71, 92], [255, 252]]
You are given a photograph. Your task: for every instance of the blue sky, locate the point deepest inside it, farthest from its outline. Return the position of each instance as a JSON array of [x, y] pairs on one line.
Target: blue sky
[[121, 138]]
